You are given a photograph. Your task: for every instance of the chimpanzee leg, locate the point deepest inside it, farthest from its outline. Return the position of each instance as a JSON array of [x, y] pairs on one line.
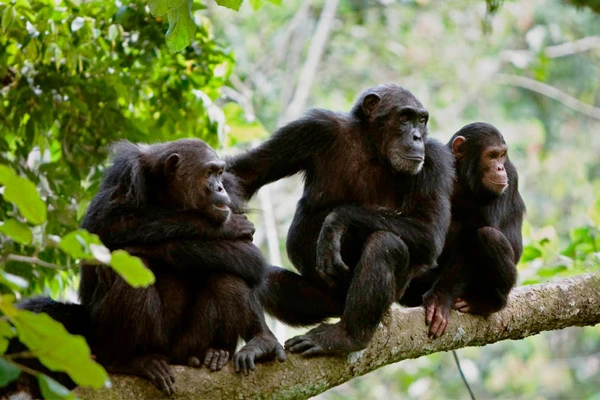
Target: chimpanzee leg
[[298, 300], [130, 335], [214, 323], [378, 280], [493, 274]]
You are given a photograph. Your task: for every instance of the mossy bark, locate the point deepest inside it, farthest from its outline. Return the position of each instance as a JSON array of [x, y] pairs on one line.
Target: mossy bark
[[402, 335]]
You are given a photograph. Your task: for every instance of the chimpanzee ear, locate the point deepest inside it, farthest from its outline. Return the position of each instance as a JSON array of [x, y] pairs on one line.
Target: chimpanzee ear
[[171, 164], [370, 103], [458, 147]]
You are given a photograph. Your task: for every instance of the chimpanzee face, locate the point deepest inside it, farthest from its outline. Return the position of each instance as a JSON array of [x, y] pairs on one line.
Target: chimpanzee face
[[401, 125]]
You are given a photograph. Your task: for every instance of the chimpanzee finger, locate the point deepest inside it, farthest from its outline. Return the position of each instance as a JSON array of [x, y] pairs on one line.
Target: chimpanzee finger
[[435, 324], [280, 354], [429, 312], [323, 274], [214, 362], [167, 371], [313, 351], [301, 346], [223, 358], [208, 358], [459, 303], [441, 328], [237, 361], [250, 362]]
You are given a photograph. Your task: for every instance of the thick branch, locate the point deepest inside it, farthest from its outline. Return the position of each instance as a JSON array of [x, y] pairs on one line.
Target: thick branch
[[402, 335]]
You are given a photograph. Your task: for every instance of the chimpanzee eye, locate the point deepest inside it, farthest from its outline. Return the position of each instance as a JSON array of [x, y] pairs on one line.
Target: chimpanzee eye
[[423, 120], [403, 118]]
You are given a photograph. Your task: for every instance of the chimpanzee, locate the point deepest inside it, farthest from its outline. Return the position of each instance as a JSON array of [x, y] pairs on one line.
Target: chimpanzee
[[173, 204], [484, 244], [375, 211], [208, 272]]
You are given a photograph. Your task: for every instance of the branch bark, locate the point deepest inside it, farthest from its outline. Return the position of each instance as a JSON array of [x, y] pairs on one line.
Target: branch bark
[[402, 335]]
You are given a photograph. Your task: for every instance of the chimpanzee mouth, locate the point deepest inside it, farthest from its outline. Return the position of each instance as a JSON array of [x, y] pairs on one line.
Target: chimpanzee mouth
[[413, 158], [221, 207], [499, 183]]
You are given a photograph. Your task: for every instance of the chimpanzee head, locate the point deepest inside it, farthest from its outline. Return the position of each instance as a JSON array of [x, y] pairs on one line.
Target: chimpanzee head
[[185, 174], [481, 155], [396, 123]]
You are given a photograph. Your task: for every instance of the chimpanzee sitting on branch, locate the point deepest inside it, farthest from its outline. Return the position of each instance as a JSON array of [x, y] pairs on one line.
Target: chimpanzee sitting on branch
[[484, 244], [376, 196]]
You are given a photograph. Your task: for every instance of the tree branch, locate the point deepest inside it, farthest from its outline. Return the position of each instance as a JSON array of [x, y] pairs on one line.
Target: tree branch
[[402, 335], [551, 92]]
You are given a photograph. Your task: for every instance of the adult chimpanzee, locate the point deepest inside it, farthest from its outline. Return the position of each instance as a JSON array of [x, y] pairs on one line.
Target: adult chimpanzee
[[376, 195], [172, 204], [484, 242]]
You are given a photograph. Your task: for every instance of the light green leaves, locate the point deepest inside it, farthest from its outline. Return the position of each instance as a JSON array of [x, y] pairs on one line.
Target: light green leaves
[[132, 269], [233, 4], [17, 231], [84, 245], [181, 22], [56, 348], [53, 390], [6, 333], [24, 194]]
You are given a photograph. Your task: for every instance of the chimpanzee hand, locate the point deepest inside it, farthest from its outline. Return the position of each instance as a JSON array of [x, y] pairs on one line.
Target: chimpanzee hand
[[237, 227], [261, 347], [437, 312], [330, 266]]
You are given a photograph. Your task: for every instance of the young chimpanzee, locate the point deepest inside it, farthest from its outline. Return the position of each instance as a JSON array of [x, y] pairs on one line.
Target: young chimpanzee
[[483, 245], [173, 204], [375, 210]]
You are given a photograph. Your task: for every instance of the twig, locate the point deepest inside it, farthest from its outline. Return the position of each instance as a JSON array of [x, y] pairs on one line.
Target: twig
[[33, 260]]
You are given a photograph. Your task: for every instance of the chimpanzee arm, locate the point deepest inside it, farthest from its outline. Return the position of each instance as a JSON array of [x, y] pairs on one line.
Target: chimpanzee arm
[[422, 223], [287, 152], [240, 257], [261, 344], [119, 226]]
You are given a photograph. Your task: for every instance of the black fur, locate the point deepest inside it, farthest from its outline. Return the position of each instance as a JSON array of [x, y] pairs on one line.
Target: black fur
[[379, 218], [157, 203], [484, 243]]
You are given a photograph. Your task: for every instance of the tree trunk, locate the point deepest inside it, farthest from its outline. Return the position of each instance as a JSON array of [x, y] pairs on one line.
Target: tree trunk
[[402, 335]]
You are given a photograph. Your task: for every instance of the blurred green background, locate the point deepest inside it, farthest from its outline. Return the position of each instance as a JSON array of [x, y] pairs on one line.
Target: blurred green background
[[76, 76]]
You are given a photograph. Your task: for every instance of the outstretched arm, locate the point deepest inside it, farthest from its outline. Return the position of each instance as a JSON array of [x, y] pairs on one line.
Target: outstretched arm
[[287, 152]]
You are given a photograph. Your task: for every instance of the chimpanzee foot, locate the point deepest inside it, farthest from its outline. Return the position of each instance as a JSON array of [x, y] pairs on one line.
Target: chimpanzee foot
[[261, 347], [461, 305], [214, 359], [153, 367], [323, 340]]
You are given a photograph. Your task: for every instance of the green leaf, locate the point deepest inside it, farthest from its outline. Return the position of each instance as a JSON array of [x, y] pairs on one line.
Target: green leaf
[[233, 4], [56, 348], [24, 194], [530, 253], [181, 25], [6, 333], [6, 174], [255, 4], [17, 231], [132, 269], [8, 372], [159, 8], [77, 244], [8, 18], [53, 390]]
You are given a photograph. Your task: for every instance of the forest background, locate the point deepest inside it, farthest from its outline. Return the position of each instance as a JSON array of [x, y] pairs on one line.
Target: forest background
[[77, 76]]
